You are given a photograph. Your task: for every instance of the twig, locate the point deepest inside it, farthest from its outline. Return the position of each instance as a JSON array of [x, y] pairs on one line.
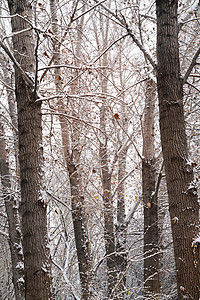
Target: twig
[[17, 65], [130, 33], [192, 64]]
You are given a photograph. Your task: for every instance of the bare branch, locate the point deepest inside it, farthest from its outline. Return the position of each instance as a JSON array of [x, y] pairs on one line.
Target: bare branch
[[96, 59], [84, 13], [191, 66], [17, 65], [121, 181], [130, 33], [7, 86]]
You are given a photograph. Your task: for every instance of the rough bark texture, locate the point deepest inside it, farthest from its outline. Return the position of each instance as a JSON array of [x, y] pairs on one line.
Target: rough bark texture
[[151, 236], [77, 203], [121, 228], [15, 237], [109, 236], [72, 159], [183, 202], [34, 220]]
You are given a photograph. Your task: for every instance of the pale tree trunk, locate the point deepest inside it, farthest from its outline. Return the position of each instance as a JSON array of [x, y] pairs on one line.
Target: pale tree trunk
[[8, 80], [151, 234], [9, 84], [106, 175], [121, 228], [37, 262], [14, 226], [109, 235], [72, 159], [183, 201]]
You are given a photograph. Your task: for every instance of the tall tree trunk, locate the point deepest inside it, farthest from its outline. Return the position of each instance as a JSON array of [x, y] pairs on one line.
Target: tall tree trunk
[[14, 226], [8, 75], [37, 262], [109, 236], [183, 202], [151, 236], [121, 228], [72, 159], [106, 174]]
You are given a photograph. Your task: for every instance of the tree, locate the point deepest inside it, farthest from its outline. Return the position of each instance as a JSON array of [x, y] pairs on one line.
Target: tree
[[183, 201], [151, 236], [37, 263], [14, 227], [72, 159]]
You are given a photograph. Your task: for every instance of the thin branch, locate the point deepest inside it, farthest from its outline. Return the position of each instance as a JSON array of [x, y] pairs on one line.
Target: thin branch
[[193, 86], [192, 64], [121, 181], [84, 13], [17, 33], [48, 98], [130, 216], [7, 86], [72, 67], [130, 33], [65, 33], [130, 139], [58, 200], [17, 65], [73, 289], [96, 59]]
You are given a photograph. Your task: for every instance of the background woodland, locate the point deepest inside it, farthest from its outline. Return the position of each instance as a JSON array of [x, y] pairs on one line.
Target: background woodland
[[99, 149]]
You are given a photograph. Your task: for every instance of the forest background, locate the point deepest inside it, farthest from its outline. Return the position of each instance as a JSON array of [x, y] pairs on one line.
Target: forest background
[[99, 149]]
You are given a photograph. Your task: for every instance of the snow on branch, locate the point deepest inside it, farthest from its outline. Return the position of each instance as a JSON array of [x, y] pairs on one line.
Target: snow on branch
[[192, 64]]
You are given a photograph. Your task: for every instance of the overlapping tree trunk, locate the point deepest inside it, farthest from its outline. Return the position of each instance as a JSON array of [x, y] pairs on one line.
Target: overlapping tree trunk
[[108, 212], [37, 261], [72, 159], [151, 236], [121, 228], [14, 226], [182, 193]]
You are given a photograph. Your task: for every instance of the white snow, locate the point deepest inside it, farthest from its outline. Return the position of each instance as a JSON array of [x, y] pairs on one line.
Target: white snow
[[20, 265], [20, 280]]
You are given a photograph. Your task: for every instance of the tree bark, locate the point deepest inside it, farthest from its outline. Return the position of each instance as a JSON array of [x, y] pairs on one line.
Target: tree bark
[[121, 228], [183, 201], [14, 226], [108, 212], [71, 157], [151, 235], [37, 262], [8, 78]]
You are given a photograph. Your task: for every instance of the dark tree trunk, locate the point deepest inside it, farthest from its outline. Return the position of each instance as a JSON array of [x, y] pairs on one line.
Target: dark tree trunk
[[108, 217], [183, 202], [14, 227], [121, 228], [82, 243], [151, 235], [37, 262]]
